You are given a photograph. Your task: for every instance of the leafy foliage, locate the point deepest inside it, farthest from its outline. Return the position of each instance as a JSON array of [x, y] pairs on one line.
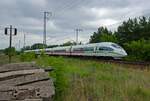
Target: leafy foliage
[[26, 48], [1, 51], [139, 50], [108, 38], [69, 43], [10, 51], [96, 37], [134, 29], [28, 56], [38, 46], [51, 46]]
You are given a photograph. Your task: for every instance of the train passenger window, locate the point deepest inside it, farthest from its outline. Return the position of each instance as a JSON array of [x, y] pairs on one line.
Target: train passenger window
[[88, 49], [105, 49], [77, 49], [59, 50], [101, 48]]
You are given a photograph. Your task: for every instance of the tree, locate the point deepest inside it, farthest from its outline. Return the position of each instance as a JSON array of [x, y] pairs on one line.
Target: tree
[[69, 43], [10, 51], [26, 48], [1, 51], [133, 30], [97, 36], [109, 38], [38, 46], [138, 50], [51, 46]]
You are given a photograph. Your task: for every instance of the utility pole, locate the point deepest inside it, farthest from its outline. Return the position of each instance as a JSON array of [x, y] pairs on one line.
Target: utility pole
[[77, 34], [24, 41], [46, 17], [10, 41], [19, 45]]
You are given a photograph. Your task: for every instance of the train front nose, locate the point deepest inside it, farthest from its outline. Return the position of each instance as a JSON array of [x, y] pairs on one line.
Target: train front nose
[[124, 53]]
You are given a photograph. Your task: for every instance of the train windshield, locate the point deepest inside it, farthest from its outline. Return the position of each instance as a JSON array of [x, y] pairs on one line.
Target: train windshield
[[115, 45]]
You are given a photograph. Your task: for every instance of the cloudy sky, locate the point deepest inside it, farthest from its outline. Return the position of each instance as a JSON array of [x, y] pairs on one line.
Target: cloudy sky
[[67, 15]]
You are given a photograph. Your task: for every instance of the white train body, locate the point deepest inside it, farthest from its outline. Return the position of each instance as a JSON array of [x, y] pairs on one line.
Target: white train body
[[104, 49]]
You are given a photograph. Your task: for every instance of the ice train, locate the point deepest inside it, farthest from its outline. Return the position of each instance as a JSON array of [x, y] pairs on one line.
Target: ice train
[[102, 49]]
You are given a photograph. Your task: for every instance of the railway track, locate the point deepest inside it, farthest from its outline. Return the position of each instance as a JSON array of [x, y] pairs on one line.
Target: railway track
[[128, 64], [139, 63]]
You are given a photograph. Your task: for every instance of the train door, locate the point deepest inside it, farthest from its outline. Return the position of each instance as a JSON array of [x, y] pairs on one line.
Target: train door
[[70, 50], [95, 51], [105, 51], [100, 51]]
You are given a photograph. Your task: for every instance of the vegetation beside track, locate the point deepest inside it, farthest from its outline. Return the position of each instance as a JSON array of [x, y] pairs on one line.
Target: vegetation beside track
[[88, 80], [4, 59]]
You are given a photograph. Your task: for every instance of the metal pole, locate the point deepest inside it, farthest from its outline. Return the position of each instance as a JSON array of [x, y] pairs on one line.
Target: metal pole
[[77, 36], [10, 43], [24, 41], [19, 45], [44, 32]]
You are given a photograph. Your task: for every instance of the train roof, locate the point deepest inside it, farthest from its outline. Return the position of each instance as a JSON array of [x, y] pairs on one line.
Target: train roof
[[94, 44], [85, 45], [62, 47], [78, 46]]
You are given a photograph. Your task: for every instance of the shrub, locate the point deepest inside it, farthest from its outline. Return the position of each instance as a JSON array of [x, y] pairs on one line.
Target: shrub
[[108, 38], [28, 56], [138, 50], [10, 51]]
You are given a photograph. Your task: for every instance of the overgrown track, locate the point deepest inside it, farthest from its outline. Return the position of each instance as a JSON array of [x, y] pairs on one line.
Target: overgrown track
[[129, 64]]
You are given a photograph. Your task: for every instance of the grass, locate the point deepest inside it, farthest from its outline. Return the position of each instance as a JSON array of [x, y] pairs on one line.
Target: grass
[[5, 60], [83, 80], [87, 80]]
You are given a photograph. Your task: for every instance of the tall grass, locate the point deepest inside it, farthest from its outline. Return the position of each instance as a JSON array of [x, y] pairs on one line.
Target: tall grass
[[87, 80], [4, 59], [28, 56], [83, 80]]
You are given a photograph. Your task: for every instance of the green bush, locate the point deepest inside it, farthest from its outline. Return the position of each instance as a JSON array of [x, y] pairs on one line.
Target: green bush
[[138, 50], [10, 51], [108, 38], [28, 56]]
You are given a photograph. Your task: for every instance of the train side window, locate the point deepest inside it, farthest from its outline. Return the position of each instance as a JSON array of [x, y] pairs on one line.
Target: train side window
[[59, 50], [105, 49], [78, 49], [101, 48], [88, 49]]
